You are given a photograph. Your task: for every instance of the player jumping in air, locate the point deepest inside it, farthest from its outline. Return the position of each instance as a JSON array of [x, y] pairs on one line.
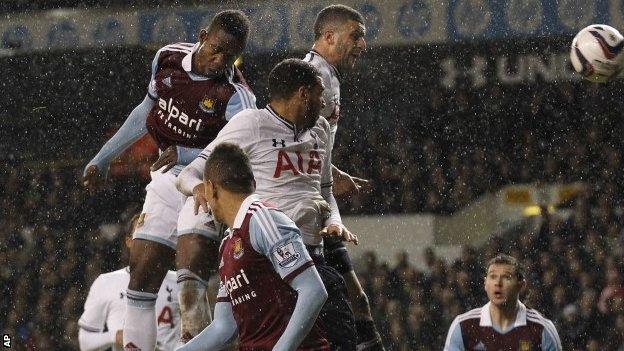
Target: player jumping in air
[[338, 42], [289, 147], [194, 90]]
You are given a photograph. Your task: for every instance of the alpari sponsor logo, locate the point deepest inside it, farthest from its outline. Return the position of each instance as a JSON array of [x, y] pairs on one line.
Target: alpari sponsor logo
[[236, 282], [169, 112]]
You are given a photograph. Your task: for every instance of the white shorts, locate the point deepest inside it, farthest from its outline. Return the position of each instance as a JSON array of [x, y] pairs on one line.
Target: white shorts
[[309, 216], [203, 223], [161, 210]]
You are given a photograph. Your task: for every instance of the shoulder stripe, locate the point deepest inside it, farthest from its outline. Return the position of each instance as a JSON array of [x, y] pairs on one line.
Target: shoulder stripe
[[454, 325], [265, 224], [271, 221], [178, 46], [467, 316], [549, 327], [245, 95]]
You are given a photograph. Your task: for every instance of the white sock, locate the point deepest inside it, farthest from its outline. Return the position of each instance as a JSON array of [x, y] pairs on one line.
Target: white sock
[[194, 307], [139, 333]]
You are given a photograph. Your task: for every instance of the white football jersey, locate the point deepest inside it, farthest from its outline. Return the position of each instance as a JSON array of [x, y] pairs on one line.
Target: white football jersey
[[106, 306], [290, 166], [331, 80]]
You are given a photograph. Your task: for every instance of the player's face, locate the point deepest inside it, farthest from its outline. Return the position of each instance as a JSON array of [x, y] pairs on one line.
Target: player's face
[[315, 104], [350, 44], [502, 285], [217, 52]]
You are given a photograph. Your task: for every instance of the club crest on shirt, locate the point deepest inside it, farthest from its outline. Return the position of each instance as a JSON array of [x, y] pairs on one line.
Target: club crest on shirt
[[237, 249], [286, 255], [525, 345], [207, 105]]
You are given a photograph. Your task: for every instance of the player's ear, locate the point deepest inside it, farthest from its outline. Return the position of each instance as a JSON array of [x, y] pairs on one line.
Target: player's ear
[[302, 93], [328, 35]]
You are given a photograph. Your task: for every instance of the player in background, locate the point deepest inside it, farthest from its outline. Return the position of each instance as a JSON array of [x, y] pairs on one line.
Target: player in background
[[194, 90], [338, 42], [105, 308], [504, 323], [289, 146], [270, 291]]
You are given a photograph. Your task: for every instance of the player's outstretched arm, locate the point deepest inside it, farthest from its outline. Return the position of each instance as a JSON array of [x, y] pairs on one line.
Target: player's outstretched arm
[[94, 340], [132, 129], [191, 176], [310, 299], [218, 334], [346, 184]]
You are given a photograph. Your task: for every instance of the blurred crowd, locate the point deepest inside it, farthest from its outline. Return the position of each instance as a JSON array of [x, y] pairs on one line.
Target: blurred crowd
[[438, 153]]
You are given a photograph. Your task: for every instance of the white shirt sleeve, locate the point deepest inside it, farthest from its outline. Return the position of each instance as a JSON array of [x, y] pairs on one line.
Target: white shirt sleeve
[[327, 182], [241, 130], [93, 319]]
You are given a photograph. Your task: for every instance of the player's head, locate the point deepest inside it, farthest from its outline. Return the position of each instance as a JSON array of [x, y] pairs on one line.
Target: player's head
[[227, 173], [504, 280], [221, 43], [339, 32], [299, 83]]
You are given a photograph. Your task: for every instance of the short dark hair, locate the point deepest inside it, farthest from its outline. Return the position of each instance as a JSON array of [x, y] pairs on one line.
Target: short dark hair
[[508, 260], [229, 167], [289, 75], [233, 22], [335, 15]]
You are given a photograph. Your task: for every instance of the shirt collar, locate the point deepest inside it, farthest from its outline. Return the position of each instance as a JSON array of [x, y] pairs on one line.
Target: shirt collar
[[288, 124], [187, 61], [242, 211], [521, 316], [336, 71], [187, 65]]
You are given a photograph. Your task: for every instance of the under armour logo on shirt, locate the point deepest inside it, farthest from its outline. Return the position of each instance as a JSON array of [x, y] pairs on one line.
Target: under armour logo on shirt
[[281, 142]]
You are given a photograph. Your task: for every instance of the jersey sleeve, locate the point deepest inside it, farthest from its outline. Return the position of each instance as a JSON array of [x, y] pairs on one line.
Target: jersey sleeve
[[243, 99], [222, 295], [151, 88], [550, 338], [95, 312], [327, 180], [242, 130], [454, 339], [277, 237]]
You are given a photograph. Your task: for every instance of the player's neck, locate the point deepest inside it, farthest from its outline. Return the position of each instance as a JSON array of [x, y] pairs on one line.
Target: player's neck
[[285, 110], [504, 315], [230, 206], [325, 53]]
